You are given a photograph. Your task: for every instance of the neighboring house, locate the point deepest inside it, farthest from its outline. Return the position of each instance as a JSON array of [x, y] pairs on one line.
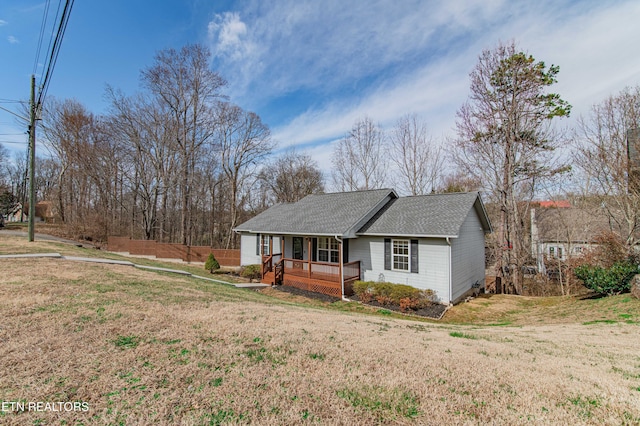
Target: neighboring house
[[324, 243], [559, 231], [44, 213], [15, 215]]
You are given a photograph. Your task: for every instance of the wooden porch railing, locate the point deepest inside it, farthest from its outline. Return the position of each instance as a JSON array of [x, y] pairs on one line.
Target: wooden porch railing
[[268, 263], [320, 270]]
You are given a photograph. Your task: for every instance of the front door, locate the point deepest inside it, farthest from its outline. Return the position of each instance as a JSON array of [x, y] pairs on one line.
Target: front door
[[298, 248]]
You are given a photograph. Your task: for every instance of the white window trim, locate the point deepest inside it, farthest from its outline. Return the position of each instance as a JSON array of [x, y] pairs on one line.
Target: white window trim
[[330, 241], [393, 255], [264, 244]]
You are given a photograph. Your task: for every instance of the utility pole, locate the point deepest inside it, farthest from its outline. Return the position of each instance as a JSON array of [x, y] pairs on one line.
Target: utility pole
[[32, 160]]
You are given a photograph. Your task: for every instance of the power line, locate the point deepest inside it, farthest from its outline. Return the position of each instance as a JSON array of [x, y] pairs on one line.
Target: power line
[[42, 27], [55, 51], [15, 143]]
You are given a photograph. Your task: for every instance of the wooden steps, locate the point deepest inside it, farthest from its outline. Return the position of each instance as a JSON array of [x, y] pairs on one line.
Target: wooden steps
[[269, 278]]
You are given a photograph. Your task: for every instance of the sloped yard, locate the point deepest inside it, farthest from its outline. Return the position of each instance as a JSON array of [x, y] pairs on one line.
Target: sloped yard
[[140, 347]]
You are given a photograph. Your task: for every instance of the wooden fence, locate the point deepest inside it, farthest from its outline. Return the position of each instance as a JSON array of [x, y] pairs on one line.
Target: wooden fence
[[173, 251]]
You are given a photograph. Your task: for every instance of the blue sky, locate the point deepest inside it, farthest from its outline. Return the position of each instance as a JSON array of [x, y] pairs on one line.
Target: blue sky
[[310, 69]]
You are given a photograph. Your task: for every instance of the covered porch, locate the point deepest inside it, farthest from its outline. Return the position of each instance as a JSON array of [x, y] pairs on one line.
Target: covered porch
[[301, 268]]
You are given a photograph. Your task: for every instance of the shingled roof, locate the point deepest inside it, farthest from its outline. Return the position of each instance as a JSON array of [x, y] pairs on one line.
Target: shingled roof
[[375, 212], [341, 213], [434, 215]]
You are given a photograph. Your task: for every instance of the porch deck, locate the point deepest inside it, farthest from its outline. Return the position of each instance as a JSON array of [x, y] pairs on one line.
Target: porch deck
[[318, 277]]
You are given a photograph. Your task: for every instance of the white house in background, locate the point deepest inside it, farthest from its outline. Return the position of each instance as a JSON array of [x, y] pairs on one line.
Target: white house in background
[[560, 231], [325, 242]]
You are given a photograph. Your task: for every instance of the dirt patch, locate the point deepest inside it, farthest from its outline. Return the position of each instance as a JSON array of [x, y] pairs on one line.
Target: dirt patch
[[307, 294]]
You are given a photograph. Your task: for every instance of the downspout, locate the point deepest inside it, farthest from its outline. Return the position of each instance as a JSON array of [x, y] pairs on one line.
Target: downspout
[[450, 281], [341, 257]]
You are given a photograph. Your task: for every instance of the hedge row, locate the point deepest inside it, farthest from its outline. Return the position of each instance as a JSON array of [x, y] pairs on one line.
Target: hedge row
[[385, 293]]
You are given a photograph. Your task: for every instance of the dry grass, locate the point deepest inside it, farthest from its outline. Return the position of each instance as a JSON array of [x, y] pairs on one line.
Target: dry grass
[[147, 348]]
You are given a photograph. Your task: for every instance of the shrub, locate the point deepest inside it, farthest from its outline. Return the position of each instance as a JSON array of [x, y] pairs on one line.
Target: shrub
[[252, 272], [384, 293], [211, 264], [364, 290], [405, 304], [384, 300], [608, 281]]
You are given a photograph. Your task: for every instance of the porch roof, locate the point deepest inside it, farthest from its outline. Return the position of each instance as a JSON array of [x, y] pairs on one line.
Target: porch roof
[[341, 213]]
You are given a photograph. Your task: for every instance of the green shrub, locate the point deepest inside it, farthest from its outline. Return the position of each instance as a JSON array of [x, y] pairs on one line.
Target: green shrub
[[252, 272], [385, 293], [607, 281], [364, 290], [211, 264]]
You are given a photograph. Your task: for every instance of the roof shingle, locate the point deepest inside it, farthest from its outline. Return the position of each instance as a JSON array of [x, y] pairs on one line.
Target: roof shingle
[[320, 214], [434, 215]]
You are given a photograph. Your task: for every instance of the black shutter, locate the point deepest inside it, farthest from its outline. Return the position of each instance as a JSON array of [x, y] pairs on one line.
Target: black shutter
[[387, 254], [414, 256], [258, 244], [314, 249], [345, 251]]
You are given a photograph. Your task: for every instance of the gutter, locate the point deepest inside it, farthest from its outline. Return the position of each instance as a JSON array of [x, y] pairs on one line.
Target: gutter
[[387, 234], [341, 266], [450, 280]]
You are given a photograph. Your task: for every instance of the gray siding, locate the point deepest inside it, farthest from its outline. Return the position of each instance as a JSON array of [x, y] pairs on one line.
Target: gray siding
[[248, 254], [433, 264], [467, 252], [248, 250]]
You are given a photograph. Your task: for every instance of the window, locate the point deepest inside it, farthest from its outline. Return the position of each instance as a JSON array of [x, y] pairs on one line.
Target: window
[[556, 252], [401, 255], [264, 244], [328, 250]]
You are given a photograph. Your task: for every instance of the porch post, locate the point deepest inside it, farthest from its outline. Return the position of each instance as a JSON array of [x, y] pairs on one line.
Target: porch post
[[309, 257], [340, 268]]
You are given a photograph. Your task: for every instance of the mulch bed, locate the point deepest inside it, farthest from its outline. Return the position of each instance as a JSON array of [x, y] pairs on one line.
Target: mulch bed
[[433, 311], [305, 293]]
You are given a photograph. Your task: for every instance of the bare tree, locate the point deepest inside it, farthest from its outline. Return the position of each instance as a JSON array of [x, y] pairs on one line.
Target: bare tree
[[147, 137], [291, 177], [359, 159], [243, 142], [459, 181], [68, 129], [418, 159], [183, 81], [4, 155], [504, 138], [602, 154]]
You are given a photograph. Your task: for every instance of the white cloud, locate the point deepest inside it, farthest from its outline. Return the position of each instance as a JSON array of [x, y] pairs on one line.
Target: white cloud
[[388, 58], [3, 22], [12, 40], [323, 46], [592, 50], [229, 35]]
